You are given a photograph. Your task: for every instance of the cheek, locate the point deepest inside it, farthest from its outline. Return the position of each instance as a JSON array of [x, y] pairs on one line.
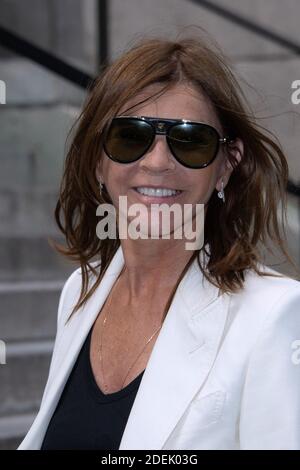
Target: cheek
[[118, 180], [112, 173], [203, 184]]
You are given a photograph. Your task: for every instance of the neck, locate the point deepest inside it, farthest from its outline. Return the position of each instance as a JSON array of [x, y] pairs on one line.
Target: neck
[[153, 266]]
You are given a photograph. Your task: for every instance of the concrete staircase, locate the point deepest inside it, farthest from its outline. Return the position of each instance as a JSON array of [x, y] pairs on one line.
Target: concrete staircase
[[28, 305], [32, 139], [34, 124]]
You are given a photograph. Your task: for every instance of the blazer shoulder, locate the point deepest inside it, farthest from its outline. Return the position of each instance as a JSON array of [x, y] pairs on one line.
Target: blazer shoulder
[[263, 295], [272, 282]]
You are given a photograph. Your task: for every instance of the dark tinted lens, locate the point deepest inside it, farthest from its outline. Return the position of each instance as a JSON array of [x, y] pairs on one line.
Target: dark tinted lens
[[128, 139], [195, 145]]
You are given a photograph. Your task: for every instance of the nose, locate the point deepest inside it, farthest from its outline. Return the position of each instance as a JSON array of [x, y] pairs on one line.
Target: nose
[[159, 157]]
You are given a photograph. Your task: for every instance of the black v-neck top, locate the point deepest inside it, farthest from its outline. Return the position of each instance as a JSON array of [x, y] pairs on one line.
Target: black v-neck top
[[85, 417]]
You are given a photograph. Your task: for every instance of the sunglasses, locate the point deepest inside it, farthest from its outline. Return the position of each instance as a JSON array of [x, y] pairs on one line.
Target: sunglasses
[[193, 144]]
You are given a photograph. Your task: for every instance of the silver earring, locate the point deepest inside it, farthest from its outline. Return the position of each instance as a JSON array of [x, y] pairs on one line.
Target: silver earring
[[221, 193], [100, 187]]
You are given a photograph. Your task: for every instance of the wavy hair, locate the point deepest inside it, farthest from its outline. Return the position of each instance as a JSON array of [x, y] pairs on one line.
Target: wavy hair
[[255, 191]]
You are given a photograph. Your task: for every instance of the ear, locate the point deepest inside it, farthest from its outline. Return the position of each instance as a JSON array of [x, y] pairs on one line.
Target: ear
[[236, 150]]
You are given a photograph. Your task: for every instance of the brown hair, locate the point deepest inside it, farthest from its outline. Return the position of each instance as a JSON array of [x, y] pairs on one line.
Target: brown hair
[[256, 188]]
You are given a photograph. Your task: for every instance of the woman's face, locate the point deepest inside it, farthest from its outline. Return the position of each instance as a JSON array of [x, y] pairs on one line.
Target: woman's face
[[158, 167]]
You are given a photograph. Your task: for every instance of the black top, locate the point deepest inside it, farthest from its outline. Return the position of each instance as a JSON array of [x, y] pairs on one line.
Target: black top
[[86, 418]]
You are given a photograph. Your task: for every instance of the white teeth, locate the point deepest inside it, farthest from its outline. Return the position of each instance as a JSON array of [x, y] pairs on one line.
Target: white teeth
[[158, 192]]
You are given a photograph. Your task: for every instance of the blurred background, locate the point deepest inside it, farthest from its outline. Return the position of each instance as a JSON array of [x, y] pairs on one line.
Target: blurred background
[[49, 52]]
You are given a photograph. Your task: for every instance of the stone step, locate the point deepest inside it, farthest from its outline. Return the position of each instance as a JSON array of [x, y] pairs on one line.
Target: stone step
[[27, 212], [33, 146], [23, 376], [31, 258], [28, 310], [13, 429]]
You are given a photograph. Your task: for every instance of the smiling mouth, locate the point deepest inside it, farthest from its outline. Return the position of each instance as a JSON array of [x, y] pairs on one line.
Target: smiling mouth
[[157, 192]]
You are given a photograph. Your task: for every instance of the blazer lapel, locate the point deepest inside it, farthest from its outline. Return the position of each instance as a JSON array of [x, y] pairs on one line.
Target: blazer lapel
[[180, 362], [67, 349]]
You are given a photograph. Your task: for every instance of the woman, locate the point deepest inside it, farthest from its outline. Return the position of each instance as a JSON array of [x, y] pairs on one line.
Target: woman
[[159, 346]]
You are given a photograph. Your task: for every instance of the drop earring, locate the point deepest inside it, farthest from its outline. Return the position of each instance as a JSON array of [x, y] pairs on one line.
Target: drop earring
[[221, 193], [100, 187]]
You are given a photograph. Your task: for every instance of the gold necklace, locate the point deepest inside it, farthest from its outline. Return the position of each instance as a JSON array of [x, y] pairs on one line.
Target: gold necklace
[[101, 356]]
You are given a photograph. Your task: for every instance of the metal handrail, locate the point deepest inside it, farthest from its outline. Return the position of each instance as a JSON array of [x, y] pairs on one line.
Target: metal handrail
[[73, 74], [245, 23], [44, 58], [292, 187]]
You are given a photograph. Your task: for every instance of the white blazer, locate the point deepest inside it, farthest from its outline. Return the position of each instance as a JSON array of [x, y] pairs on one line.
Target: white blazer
[[224, 372]]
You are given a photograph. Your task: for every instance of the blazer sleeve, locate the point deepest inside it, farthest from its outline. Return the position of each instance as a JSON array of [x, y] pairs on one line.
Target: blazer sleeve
[[270, 408]]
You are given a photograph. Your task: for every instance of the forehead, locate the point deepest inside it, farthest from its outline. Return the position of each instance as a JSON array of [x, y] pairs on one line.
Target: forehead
[[179, 102]]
